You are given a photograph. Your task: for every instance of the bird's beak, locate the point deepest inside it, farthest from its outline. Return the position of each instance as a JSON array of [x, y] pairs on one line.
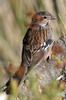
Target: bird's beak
[[52, 17]]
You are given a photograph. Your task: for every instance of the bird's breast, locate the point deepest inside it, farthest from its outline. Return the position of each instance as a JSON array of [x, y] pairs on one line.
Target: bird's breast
[[40, 36]]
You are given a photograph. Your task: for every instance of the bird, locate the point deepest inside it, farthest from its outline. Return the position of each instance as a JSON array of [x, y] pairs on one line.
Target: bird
[[37, 44]]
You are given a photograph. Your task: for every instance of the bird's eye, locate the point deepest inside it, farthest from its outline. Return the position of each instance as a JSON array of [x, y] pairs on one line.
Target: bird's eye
[[45, 17]]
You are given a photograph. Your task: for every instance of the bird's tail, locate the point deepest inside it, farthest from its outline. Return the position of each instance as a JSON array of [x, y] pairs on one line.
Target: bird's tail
[[17, 77], [19, 73]]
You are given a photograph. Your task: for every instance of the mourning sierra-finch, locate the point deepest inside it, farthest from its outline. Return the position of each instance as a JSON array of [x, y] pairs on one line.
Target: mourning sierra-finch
[[37, 44]]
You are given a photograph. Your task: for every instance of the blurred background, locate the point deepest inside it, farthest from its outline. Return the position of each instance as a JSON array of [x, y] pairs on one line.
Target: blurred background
[[13, 16]]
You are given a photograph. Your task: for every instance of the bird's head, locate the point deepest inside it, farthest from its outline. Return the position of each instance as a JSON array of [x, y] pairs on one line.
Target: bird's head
[[43, 18]]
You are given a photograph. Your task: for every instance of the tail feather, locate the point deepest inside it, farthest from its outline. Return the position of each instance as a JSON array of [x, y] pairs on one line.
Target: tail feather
[[6, 87], [17, 76], [20, 73]]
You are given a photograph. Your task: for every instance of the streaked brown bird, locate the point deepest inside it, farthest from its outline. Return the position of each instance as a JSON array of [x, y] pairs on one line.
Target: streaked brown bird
[[37, 44]]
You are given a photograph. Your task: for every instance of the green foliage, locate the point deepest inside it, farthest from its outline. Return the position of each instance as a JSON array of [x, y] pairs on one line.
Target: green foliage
[[48, 92]]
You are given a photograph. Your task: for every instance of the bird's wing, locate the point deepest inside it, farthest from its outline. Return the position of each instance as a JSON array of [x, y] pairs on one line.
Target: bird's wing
[[32, 53]]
